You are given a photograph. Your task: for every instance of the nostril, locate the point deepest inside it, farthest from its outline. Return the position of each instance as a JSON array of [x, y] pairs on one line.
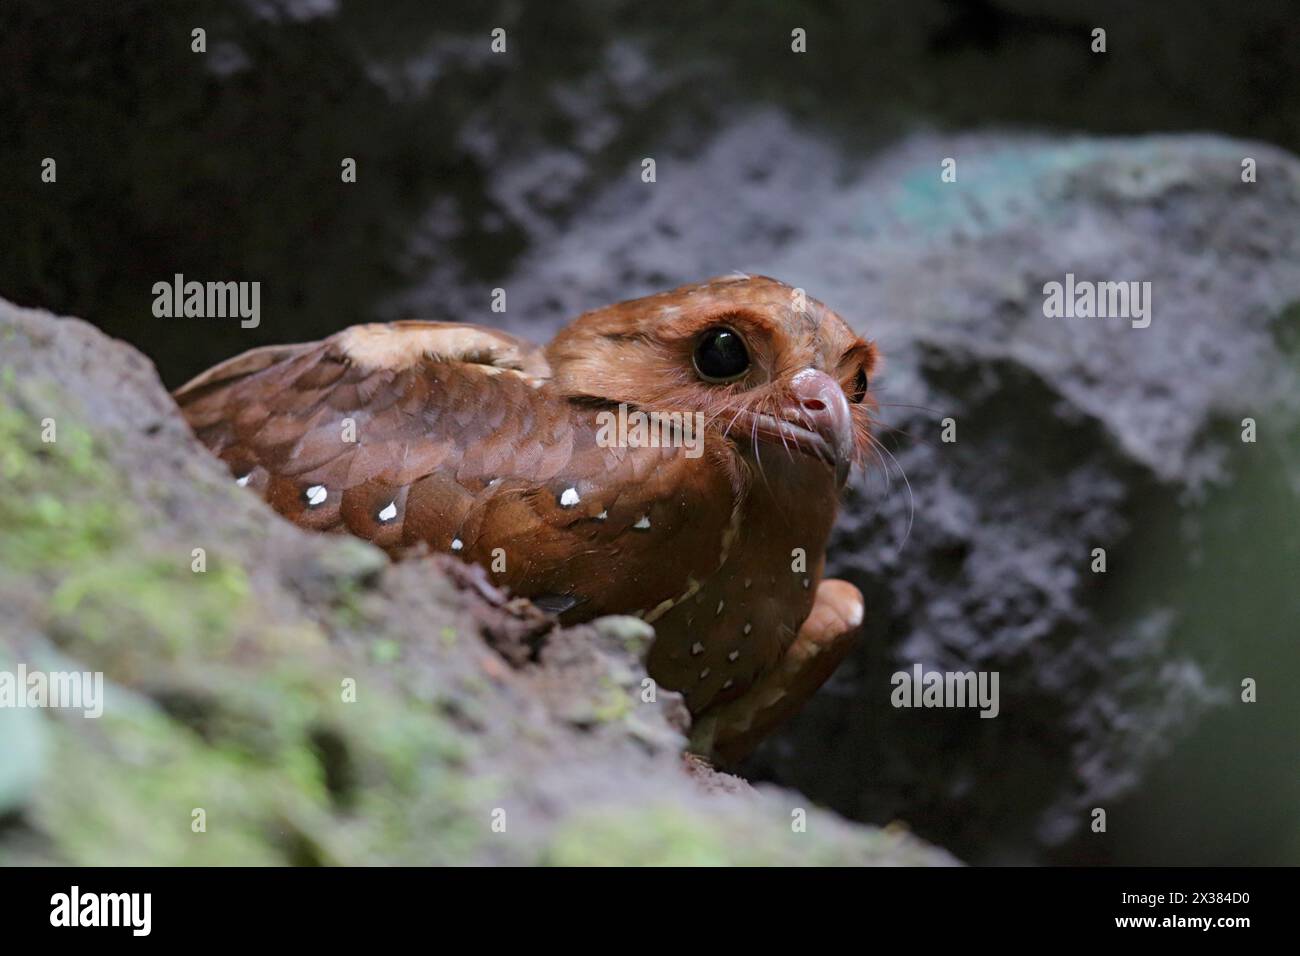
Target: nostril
[[814, 404]]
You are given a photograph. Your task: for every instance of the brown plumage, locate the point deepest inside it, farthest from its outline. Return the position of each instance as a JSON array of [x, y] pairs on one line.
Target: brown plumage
[[464, 440]]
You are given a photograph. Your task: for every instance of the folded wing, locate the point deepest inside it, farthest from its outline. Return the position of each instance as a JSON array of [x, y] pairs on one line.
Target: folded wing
[[450, 437]]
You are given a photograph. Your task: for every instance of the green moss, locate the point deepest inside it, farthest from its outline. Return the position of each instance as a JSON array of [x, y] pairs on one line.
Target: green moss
[[659, 835], [612, 702], [67, 516], [285, 769], [654, 836], [61, 505], [631, 633], [351, 567], [127, 786], [253, 756], [166, 605]]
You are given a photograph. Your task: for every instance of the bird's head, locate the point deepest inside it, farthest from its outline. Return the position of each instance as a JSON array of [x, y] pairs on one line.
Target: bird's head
[[774, 372]]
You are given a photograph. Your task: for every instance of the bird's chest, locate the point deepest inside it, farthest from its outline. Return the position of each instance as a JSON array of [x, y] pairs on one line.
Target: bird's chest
[[715, 643]]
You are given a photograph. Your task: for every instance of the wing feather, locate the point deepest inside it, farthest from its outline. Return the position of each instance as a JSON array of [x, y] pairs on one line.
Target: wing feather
[[462, 446]]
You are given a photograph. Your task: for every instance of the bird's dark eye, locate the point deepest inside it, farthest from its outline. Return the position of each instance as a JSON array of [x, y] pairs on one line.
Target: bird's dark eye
[[860, 385], [721, 355]]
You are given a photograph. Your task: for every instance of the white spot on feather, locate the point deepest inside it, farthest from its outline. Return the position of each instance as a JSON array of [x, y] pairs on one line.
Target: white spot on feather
[[642, 523], [389, 512], [316, 495], [569, 497]]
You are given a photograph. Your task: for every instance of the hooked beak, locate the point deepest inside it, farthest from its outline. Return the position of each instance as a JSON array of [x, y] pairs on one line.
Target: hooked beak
[[816, 421]]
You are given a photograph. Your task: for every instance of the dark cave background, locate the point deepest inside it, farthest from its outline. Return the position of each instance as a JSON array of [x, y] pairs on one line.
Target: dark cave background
[[216, 166], [225, 166]]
